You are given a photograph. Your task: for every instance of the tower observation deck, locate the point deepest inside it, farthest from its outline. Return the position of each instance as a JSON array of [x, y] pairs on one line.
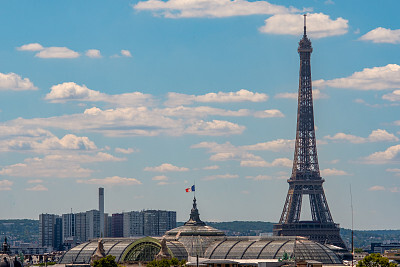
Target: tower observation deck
[[306, 178]]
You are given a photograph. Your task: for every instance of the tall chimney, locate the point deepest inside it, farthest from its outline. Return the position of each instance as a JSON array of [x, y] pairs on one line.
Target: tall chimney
[[101, 209]]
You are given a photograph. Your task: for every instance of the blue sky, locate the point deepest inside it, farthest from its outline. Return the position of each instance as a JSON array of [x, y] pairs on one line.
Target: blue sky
[[146, 97]]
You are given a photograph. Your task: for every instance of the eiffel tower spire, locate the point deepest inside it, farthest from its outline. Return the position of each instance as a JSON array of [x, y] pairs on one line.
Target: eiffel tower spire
[[306, 178]]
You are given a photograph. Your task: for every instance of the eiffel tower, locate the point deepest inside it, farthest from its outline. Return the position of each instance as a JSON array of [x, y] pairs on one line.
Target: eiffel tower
[[306, 178]]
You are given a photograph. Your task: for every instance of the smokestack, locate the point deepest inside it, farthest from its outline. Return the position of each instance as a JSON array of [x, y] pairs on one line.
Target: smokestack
[[101, 209]]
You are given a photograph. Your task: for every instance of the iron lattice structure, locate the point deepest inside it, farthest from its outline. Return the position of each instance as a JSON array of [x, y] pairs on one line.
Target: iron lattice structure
[[306, 178]]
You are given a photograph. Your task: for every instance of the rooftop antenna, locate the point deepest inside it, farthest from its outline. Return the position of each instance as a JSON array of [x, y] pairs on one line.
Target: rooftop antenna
[[305, 15]]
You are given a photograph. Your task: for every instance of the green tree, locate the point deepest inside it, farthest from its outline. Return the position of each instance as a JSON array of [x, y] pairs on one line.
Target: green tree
[[108, 261], [375, 260]]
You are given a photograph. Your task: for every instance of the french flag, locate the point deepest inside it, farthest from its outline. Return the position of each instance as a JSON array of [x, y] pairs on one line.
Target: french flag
[[190, 189]]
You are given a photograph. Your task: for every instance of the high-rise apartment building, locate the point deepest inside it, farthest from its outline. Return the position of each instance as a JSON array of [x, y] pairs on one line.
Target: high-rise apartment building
[[80, 226], [92, 224], [157, 222], [101, 210], [50, 231], [69, 225], [117, 225], [133, 223]]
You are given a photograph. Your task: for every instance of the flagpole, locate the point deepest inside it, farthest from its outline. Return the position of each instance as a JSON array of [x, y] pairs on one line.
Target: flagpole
[[194, 192]]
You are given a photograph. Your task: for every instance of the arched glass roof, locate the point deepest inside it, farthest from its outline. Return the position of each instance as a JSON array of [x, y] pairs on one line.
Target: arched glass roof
[[124, 249], [270, 248]]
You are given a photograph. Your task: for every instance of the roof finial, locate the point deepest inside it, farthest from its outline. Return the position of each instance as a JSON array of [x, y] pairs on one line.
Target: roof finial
[[305, 32]]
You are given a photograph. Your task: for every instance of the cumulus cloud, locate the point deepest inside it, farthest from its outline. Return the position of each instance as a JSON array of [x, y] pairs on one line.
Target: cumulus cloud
[[275, 145], [126, 53], [132, 121], [214, 128], [382, 35], [243, 95], [317, 94], [124, 150], [376, 78], [377, 188], [57, 52], [227, 151], [31, 47], [93, 53], [38, 187], [57, 166], [205, 111], [5, 185], [14, 82], [166, 167], [393, 97], [70, 91], [319, 25], [280, 162], [378, 135], [210, 8], [114, 180], [46, 144], [333, 172], [390, 155], [220, 176]]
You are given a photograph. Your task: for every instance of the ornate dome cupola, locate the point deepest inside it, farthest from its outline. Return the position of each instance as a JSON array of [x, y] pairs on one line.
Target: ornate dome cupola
[[194, 219]]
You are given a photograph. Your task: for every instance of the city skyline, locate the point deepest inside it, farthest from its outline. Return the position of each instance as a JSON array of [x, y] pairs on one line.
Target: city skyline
[[146, 98]]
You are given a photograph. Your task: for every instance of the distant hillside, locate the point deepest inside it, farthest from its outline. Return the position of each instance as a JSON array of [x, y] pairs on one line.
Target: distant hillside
[[20, 230]]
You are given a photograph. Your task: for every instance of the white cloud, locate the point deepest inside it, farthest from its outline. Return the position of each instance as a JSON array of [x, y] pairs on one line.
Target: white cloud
[[210, 8], [280, 162], [45, 144], [214, 128], [271, 113], [260, 177], [126, 53], [38, 187], [160, 178], [124, 151], [70, 91], [93, 53], [393, 97], [319, 25], [14, 82], [5, 185], [166, 167], [382, 35], [57, 166], [205, 111], [57, 52], [275, 145], [333, 172], [213, 167], [317, 94], [390, 155], [176, 99], [36, 181], [376, 78], [377, 188], [220, 176], [31, 47], [115, 180], [378, 135]]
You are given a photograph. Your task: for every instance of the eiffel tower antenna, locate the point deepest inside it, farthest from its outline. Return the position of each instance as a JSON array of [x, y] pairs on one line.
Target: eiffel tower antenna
[[306, 178]]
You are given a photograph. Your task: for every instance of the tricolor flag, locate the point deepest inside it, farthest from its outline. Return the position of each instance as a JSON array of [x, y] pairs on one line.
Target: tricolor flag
[[190, 189]]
